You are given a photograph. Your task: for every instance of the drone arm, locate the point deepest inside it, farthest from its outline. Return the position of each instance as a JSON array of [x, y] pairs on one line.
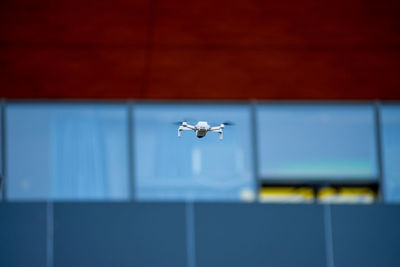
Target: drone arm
[[216, 128], [190, 127], [184, 128]]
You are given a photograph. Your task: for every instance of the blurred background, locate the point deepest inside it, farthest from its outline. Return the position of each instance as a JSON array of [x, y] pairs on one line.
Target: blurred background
[[93, 173]]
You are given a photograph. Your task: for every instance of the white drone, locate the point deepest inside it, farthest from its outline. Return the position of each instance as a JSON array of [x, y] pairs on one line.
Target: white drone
[[201, 128]]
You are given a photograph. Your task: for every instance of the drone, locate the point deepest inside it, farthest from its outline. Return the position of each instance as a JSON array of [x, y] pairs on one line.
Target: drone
[[201, 128]]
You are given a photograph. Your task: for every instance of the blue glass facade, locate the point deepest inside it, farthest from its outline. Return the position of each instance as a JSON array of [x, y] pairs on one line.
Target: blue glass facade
[[189, 168], [390, 125], [2, 178], [69, 151], [317, 142]]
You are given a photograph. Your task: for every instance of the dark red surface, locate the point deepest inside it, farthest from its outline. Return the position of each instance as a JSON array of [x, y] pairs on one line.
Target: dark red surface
[[280, 49]]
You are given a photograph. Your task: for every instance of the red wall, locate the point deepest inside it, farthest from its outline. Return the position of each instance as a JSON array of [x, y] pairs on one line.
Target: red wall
[[280, 49]]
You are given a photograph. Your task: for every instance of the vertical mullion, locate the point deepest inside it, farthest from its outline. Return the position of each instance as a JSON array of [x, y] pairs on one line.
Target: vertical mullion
[[258, 184], [130, 151], [49, 233], [190, 234], [330, 261], [379, 151], [3, 149]]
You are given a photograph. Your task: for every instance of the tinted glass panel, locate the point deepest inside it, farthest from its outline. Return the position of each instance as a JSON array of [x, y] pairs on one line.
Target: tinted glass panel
[[259, 235], [390, 121], [23, 234], [119, 234], [172, 168], [367, 236], [67, 151], [316, 142]]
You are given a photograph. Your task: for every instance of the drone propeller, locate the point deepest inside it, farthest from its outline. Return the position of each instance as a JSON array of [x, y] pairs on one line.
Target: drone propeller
[[228, 123], [180, 122]]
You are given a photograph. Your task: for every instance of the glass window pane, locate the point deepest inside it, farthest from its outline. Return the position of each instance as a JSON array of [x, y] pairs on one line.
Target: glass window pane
[[1, 151], [390, 121], [1, 141], [67, 152], [317, 142], [189, 168]]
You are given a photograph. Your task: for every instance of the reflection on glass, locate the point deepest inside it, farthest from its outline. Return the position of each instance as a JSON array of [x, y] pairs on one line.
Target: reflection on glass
[[189, 168], [316, 142], [67, 152], [390, 123]]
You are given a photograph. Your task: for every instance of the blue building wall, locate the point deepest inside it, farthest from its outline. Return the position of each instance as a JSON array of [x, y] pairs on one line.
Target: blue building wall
[[103, 160], [198, 234]]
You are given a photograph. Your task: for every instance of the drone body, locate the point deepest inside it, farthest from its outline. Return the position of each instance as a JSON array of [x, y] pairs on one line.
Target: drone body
[[201, 129]]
